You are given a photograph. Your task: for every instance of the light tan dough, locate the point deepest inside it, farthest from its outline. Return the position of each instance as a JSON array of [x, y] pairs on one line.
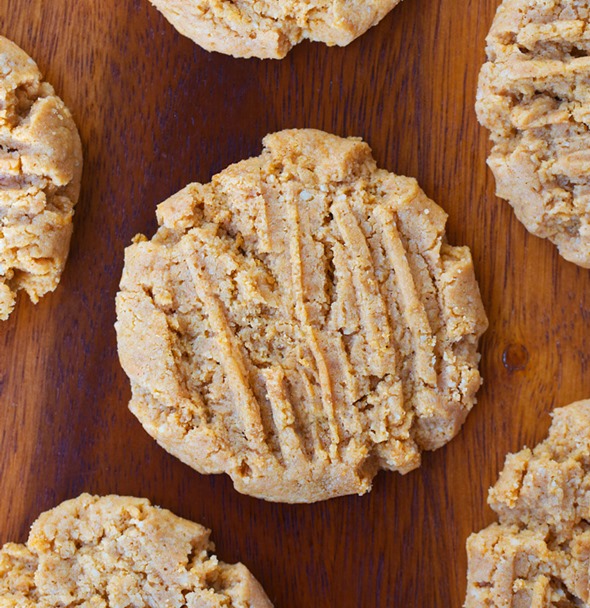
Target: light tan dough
[[538, 555], [40, 170], [300, 322], [270, 28], [116, 552], [534, 97]]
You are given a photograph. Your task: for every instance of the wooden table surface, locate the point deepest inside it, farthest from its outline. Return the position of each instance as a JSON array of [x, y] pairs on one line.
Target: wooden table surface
[[156, 112]]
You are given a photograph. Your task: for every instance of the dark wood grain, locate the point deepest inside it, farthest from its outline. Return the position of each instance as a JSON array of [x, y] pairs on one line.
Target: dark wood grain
[[156, 112]]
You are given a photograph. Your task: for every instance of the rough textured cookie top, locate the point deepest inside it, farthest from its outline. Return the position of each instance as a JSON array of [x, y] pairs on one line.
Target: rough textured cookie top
[[534, 96], [116, 552], [538, 556], [269, 28], [300, 322], [40, 168]]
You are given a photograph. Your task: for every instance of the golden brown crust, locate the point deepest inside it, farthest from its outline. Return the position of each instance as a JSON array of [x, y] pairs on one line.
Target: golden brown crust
[[539, 553], [270, 28], [534, 97], [300, 322], [40, 171], [114, 552]]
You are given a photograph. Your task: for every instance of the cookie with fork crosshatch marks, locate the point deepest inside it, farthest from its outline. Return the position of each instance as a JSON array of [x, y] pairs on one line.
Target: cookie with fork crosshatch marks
[[300, 322]]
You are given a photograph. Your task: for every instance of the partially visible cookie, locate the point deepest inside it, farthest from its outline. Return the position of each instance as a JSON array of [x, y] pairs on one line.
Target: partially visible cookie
[[40, 169], [270, 28], [300, 322], [116, 552], [534, 97], [538, 555]]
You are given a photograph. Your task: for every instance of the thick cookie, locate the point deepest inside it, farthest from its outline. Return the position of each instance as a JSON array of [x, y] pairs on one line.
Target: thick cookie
[[40, 169], [300, 322], [270, 28], [116, 552], [534, 97], [539, 553]]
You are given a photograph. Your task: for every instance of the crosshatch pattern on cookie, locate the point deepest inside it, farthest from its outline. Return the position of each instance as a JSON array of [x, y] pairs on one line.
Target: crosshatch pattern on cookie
[[300, 322]]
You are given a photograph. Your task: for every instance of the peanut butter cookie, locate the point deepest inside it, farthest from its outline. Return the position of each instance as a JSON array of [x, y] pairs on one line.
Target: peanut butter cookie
[[116, 552], [538, 555], [534, 97], [270, 28], [40, 169], [300, 322]]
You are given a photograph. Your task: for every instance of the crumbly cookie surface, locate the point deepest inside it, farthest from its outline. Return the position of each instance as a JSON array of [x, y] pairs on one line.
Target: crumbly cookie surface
[[40, 169], [115, 552], [538, 555], [533, 96], [300, 322], [270, 28]]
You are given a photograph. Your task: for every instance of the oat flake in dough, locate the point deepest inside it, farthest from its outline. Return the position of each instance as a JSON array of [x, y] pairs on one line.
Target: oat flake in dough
[[270, 28], [40, 169], [300, 322]]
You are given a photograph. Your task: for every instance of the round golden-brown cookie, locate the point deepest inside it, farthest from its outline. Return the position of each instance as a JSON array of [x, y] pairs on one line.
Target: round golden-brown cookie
[[270, 28], [300, 322], [538, 555], [40, 169], [116, 552], [534, 97]]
